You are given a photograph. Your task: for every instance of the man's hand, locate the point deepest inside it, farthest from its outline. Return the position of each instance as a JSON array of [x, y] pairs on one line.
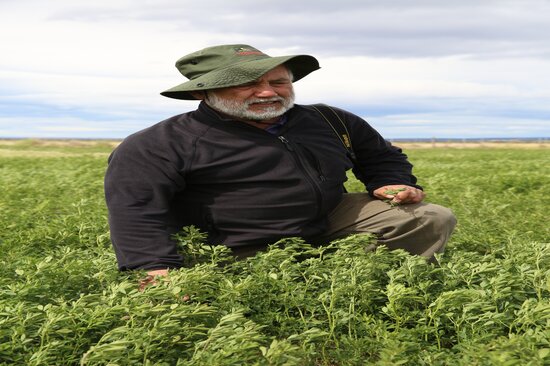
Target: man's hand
[[150, 278], [400, 194]]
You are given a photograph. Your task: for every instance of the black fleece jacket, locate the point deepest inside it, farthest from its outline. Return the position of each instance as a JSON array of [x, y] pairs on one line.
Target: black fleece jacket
[[238, 183]]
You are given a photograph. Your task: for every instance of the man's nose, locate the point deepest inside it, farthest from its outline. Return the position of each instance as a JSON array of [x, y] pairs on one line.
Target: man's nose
[[265, 90]]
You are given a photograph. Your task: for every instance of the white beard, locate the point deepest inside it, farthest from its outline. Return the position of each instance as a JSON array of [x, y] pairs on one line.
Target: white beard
[[240, 110]]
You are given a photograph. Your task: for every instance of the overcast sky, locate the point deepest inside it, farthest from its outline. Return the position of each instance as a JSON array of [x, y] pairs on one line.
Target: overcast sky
[[411, 68]]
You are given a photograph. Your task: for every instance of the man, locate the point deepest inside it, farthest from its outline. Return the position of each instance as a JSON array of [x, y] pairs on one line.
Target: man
[[249, 167]]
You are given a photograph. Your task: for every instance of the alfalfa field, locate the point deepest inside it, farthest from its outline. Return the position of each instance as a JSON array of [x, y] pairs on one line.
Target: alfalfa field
[[63, 302]]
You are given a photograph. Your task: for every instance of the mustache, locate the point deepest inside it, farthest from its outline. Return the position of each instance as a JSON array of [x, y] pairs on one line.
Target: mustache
[[265, 100]]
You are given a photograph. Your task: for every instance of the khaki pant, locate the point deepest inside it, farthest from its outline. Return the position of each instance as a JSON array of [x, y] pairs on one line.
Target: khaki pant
[[421, 228]]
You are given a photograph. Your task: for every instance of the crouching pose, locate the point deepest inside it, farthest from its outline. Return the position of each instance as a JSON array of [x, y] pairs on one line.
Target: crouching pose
[[249, 167]]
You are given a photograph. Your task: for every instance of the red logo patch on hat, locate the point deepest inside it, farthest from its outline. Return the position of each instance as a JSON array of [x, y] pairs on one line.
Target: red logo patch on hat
[[241, 51]]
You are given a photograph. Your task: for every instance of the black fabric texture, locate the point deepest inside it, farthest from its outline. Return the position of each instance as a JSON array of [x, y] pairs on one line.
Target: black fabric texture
[[241, 185]]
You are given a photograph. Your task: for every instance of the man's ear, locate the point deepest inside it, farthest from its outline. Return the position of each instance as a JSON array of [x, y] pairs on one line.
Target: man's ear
[[200, 95]]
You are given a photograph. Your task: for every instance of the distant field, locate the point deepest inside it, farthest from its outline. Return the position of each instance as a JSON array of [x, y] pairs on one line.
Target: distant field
[[62, 301], [475, 144], [543, 143]]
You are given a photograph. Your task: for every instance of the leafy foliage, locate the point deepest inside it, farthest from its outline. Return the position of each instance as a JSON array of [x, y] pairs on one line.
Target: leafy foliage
[[62, 300]]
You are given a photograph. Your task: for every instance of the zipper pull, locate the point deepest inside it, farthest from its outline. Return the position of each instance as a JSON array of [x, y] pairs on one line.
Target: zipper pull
[[286, 142]]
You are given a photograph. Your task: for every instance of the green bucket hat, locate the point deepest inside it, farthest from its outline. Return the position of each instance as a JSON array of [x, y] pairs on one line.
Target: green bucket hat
[[231, 65]]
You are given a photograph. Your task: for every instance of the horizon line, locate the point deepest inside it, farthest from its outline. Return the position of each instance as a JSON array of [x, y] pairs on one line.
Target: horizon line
[[423, 139]]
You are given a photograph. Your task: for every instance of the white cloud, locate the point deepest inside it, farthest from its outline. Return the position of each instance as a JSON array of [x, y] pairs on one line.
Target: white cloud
[[440, 91], [444, 125], [66, 127], [108, 60]]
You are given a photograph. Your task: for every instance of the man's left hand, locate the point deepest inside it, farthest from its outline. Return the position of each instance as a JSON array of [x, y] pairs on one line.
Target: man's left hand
[[406, 194]]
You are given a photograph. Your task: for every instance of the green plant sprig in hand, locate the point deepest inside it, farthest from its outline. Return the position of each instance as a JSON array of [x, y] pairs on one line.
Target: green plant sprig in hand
[[393, 192]]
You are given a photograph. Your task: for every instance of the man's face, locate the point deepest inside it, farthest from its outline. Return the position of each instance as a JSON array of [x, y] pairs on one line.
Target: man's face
[[264, 99]]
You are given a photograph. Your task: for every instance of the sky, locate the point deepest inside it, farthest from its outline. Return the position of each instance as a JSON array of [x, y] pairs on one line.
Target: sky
[[411, 68]]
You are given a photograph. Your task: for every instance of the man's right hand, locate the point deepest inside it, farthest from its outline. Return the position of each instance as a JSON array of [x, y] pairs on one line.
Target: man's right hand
[[150, 278], [158, 272]]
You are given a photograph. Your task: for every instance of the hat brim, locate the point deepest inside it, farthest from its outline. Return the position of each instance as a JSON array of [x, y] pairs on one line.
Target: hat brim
[[242, 73]]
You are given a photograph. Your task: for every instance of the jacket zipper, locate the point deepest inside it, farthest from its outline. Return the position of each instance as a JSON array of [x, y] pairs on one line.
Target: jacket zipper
[[304, 170], [314, 162], [286, 142]]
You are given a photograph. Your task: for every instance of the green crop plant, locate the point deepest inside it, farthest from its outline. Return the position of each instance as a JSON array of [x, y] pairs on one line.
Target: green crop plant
[[487, 302]]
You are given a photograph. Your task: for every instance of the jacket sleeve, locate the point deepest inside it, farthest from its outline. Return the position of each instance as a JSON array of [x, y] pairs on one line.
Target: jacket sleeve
[[378, 163], [140, 182]]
